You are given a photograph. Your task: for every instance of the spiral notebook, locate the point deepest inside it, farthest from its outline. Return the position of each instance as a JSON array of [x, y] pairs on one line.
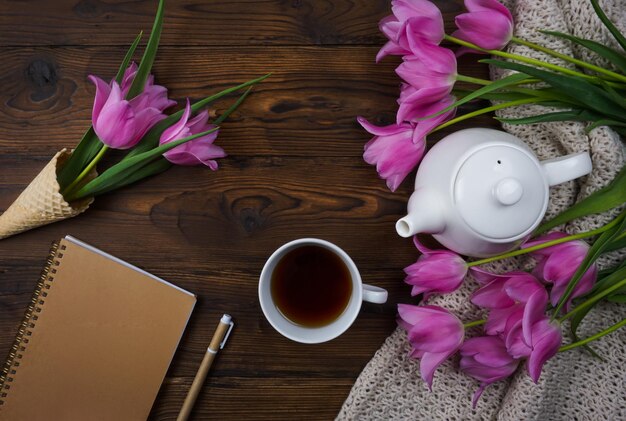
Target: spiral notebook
[[95, 342]]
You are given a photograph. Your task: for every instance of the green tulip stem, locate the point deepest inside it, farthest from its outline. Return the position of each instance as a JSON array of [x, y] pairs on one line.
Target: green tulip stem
[[486, 110], [591, 301], [474, 323], [478, 81], [546, 244], [86, 171], [573, 60], [594, 337], [517, 57], [512, 88]]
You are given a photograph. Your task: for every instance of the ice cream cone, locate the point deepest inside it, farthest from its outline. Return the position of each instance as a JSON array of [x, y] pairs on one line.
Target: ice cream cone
[[41, 203]]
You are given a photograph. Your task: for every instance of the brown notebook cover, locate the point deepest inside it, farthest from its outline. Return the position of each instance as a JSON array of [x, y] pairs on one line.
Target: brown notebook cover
[[96, 341]]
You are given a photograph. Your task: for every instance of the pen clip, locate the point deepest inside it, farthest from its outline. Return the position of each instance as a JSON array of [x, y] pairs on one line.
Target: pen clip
[[230, 328]]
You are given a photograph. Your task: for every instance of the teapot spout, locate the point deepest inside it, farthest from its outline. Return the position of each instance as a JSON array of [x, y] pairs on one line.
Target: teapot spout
[[424, 215], [566, 168]]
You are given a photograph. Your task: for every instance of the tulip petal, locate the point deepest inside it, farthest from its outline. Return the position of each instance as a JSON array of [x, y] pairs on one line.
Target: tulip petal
[[437, 333], [534, 310], [429, 364], [179, 129], [521, 285], [406, 9], [382, 130], [115, 124], [492, 295], [545, 347], [487, 5], [514, 342], [144, 120], [395, 156], [499, 320], [102, 93], [390, 49]]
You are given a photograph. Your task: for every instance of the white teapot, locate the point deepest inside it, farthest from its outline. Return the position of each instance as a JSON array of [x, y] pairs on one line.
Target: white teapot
[[480, 192]]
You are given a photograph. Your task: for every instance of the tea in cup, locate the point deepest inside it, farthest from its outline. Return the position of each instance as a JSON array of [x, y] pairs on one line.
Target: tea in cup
[[311, 291]]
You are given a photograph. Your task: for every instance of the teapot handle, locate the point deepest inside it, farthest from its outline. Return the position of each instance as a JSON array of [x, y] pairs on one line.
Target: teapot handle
[[566, 168]]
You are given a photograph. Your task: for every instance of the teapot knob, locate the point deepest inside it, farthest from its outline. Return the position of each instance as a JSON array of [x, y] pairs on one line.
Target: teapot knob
[[508, 191]]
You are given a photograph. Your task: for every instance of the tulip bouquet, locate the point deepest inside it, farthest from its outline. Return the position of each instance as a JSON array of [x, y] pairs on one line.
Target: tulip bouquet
[[523, 311], [128, 114], [429, 97]]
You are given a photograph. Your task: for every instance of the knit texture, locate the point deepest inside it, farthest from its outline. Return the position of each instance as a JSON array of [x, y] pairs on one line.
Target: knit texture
[[573, 384]]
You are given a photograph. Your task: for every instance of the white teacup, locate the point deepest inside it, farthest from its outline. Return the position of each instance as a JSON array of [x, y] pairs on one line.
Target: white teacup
[[360, 292]]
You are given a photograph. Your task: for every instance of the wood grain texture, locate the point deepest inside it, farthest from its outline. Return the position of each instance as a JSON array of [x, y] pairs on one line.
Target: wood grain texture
[[294, 170], [307, 107], [197, 22]]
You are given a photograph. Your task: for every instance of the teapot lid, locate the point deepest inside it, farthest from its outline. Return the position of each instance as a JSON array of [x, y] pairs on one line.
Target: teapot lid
[[500, 192]]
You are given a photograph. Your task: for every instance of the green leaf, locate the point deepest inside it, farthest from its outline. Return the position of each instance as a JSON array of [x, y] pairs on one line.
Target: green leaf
[[90, 145], [575, 322], [604, 122], [571, 115], [115, 176], [614, 56], [151, 139], [499, 84], [618, 243], [597, 248], [621, 131], [619, 298], [601, 287], [609, 25], [87, 148], [576, 88], [615, 96], [127, 58], [148, 170], [494, 96], [608, 197], [609, 280], [233, 107], [149, 54]]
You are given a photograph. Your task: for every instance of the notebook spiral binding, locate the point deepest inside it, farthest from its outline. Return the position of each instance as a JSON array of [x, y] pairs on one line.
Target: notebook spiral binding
[[30, 318]]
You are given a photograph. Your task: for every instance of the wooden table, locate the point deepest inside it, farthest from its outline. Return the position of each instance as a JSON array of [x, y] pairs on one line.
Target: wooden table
[[294, 170]]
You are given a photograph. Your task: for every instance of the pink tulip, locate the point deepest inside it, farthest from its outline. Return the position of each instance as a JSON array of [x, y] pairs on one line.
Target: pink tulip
[[503, 290], [557, 265], [532, 335], [413, 23], [486, 359], [416, 104], [121, 123], [506, 296], [129, 77], [393, 150], [155, 95], [488, 24], [434, 334], [543, 342], [197, 151], [435, 272], [433, 66]]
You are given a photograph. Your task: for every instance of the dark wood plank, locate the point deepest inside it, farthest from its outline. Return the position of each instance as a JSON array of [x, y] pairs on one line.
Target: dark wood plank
[[306, 108], [247, 22], [221, 400]]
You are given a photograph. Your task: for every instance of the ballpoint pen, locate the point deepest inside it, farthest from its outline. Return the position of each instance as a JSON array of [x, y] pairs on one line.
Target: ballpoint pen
[[217, 342]]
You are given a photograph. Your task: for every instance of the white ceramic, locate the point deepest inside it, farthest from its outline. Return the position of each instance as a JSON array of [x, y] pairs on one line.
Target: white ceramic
[[480, 192], [360, 292]]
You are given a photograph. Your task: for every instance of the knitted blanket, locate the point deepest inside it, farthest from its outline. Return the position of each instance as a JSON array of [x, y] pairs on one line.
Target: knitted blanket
[[573, 385]]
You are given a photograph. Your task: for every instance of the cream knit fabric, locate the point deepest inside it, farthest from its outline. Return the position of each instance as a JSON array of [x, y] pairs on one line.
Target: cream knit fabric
[[573, 385]]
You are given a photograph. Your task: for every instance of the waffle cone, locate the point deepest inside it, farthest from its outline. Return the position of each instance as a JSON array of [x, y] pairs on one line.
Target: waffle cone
[[41, 203]]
